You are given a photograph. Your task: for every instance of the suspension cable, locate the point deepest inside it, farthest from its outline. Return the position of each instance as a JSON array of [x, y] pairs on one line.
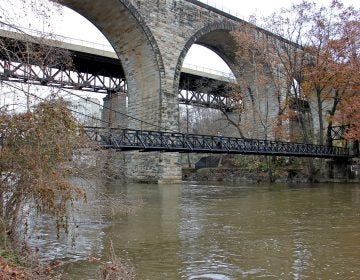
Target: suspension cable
[[44, 99], [118, 112], [91, 101]]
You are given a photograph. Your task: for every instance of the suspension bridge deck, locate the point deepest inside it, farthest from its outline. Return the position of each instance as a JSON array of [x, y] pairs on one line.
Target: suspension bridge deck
[[147, 141]]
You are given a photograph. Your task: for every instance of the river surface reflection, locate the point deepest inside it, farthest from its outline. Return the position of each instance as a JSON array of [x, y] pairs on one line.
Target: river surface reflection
[[204, 231]]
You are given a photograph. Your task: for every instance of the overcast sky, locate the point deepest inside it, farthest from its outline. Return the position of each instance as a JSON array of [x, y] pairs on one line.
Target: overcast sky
[[242, 8], [73, 25]]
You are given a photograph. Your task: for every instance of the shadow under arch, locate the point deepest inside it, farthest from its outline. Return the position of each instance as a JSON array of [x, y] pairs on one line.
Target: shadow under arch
[[125, 29], [216, 37]]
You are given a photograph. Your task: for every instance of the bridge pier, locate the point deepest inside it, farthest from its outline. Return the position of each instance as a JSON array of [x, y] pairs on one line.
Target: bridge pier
[[152, 168], [115, 110], [134, 166], [158, 113]]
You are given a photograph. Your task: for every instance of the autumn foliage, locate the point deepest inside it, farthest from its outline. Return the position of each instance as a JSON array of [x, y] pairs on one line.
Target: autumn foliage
[[36, 149], [315, 61], [350, 114]]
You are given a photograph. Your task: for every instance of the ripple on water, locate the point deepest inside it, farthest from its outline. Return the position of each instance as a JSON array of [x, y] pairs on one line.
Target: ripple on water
[[211, 276]]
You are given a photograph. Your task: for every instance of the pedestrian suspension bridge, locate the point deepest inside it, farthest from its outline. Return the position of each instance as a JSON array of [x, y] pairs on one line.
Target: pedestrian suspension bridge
[[148, 141]]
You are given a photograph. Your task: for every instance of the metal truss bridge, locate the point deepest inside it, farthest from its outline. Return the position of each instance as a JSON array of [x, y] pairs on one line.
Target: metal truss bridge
[[96, 70], [147, 141]]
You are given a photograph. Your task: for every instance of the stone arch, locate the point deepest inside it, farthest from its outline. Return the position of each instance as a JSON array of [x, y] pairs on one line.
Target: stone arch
[[123, 26], [217, 37], [209, 36]]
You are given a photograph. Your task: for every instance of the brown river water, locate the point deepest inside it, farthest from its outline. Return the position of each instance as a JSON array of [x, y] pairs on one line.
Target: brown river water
[[209, 231]]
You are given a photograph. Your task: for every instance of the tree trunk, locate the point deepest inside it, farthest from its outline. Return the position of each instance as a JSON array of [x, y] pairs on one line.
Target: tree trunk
[[236, 125], [320, 115], [331, 114]]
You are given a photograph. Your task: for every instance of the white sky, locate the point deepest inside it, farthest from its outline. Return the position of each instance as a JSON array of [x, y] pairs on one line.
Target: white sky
[[73, 25]]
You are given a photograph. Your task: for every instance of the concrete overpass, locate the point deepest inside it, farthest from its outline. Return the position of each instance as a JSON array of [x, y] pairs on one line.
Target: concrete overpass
[[199, 86]]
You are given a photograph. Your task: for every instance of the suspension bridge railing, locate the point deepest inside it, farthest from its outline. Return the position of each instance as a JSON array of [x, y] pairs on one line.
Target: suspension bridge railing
[[130, 139]]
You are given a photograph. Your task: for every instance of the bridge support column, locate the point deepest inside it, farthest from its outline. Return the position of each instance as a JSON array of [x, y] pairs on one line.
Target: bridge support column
[[153, 168], [113, 116], [149, 167], [115, 110], [157, 115]]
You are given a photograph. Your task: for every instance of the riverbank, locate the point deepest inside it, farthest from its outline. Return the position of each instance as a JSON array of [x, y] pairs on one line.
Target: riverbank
[[255, 169], [20, 266], [243, 175]]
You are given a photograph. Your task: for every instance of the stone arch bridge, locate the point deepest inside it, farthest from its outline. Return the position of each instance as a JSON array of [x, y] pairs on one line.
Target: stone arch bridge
[[151, 39]]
